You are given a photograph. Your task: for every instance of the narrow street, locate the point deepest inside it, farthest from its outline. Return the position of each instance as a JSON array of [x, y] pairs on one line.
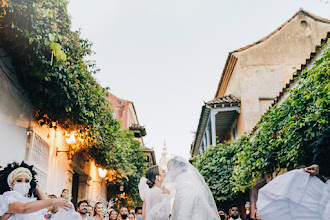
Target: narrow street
[[173, 110]]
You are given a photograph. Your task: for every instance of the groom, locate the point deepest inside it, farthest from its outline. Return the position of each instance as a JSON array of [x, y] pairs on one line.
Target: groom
[[193, 199]]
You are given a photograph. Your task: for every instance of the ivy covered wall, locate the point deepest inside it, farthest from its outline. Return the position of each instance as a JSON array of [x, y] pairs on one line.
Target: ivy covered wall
[[282, 139]]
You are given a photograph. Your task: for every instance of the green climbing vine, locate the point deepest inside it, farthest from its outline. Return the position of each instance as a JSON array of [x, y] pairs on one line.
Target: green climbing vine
[[282, 139], [51, 63]]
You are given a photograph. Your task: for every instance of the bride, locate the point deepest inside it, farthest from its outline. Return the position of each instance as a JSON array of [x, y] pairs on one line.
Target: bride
[[156, 201], [193, 199]]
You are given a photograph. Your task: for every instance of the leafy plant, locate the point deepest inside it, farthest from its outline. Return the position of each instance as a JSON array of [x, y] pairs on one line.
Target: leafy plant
[[50, 62], [217, 166]]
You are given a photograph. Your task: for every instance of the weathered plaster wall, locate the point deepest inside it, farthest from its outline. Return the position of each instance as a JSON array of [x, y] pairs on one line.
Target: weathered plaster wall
[[16, 118], [15, 114], [263, 70]]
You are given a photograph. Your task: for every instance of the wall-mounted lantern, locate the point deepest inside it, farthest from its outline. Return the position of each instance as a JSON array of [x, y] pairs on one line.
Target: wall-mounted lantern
[[102, 172], [70, 140]]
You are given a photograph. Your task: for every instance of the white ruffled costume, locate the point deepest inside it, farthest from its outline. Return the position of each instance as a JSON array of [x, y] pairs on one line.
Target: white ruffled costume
[[295, 195], [13, 196]]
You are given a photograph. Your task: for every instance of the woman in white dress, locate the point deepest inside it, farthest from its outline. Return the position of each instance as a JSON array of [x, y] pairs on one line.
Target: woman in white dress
[[299, 194], [193, 198], [156, 201], [17, 188]]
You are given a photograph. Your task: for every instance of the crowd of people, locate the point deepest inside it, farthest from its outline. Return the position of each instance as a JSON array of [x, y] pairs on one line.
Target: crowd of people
[[22, 199], [98, 211]]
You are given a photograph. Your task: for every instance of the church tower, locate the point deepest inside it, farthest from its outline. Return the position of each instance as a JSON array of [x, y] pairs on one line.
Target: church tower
[[165, 158]]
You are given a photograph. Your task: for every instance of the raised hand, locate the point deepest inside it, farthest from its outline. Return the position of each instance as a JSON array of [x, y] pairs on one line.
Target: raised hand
[[62, 203], [312, 170]]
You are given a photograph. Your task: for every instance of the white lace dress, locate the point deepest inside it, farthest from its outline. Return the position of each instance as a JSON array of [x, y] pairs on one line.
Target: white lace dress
[[13, 196], [295, 195]]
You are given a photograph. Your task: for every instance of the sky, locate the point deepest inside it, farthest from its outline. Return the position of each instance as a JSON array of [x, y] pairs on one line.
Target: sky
[[167, 56]]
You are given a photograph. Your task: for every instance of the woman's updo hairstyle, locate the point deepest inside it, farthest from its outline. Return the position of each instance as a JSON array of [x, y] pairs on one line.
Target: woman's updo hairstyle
[[151, 174], [321, 149]]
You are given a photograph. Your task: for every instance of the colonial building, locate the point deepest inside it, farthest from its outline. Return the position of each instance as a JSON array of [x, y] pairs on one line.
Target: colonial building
[[253, 76], [48, 149], [125, 112]]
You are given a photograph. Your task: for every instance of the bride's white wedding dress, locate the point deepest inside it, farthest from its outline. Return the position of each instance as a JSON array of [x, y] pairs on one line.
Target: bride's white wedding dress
[[190, 201], [193, 198], [295, 195]]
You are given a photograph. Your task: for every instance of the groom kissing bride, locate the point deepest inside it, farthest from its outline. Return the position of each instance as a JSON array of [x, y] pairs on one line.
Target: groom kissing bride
[[179, 194]]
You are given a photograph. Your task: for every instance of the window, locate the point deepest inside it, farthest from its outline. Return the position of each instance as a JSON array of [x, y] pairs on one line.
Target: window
[[234, 131], [38, 156]]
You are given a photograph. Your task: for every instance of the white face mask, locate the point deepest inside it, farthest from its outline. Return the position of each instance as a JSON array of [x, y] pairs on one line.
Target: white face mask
[[22, 188]]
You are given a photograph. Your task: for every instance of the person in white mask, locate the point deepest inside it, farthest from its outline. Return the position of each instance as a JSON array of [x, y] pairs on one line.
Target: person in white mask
[[18, 192]]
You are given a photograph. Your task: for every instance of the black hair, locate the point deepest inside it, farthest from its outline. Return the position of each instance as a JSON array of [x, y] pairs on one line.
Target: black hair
[[63, 192], [221, 209], [8, 169], [321, 150], [233, 205], [151, 174], [138, 208], [82, 201]]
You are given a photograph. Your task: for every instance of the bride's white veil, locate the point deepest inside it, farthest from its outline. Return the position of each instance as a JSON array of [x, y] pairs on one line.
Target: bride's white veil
[[177, 166]]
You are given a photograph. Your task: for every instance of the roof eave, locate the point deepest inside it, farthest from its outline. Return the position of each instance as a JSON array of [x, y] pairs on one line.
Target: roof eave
[[200, 129], [221, 86]]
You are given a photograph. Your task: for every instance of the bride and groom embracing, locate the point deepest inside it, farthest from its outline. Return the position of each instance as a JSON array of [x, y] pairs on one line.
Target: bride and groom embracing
[[179, 194]]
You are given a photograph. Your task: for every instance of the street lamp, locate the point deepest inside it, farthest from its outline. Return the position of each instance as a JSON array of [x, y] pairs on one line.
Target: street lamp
[[70, 141], [102, 172]]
